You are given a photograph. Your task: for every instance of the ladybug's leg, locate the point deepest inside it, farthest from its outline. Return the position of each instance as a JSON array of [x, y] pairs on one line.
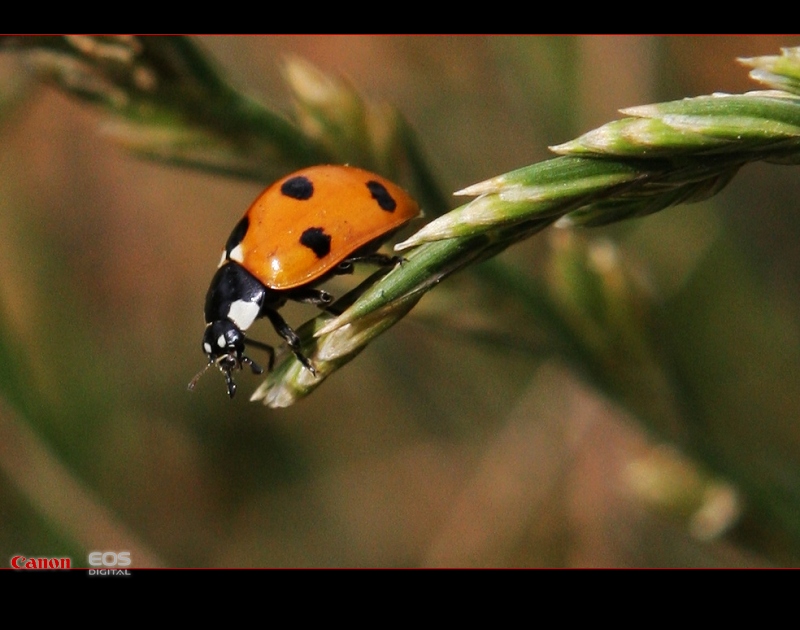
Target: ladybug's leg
[[317, 297], [320, 299], [382, 260], [288, 333], [263, 346]]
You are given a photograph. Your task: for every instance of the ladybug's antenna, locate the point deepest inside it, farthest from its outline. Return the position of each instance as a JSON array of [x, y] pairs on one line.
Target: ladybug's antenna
[[197, 376]]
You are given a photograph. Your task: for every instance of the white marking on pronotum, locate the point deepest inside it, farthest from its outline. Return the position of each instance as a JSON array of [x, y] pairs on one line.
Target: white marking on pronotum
[[243, 313]]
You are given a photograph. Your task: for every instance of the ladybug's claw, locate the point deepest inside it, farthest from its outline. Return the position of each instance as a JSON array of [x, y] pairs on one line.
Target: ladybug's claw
[[257, 369], [305, 361]]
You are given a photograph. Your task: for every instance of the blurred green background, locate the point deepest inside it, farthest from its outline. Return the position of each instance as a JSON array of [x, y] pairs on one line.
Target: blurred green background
[[459, 438]]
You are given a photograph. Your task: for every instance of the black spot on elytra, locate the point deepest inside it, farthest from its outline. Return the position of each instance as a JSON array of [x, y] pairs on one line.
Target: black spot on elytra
[[317, 241], [298, 187], [382, 196], [237, 235]]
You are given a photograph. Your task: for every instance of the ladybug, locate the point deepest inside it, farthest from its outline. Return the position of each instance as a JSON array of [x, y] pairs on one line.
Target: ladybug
[[302, 230]]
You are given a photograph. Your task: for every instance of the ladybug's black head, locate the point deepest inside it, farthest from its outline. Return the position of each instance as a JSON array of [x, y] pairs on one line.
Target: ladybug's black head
[[223, 343]]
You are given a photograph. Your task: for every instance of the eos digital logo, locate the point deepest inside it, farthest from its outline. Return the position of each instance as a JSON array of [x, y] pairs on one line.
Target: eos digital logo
[[112, 560]]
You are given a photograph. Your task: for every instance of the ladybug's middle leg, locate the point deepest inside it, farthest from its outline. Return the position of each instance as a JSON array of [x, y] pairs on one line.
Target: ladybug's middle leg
[[306, 295], [381, 260], [317, 297], [291, 337]]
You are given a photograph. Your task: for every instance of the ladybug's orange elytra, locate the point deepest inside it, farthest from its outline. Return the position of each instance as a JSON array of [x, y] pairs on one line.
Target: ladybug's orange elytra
[[308, 222]]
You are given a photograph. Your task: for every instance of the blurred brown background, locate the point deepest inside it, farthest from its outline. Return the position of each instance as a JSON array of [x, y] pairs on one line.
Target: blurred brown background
[[430, 449]]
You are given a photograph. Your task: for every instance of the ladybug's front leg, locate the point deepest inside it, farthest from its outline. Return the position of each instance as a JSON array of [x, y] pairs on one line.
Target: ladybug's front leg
[[266, 348], [291, 337]]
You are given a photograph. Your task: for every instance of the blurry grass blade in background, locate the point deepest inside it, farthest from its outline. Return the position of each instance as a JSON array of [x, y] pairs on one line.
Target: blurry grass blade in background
[[60, 495], [167, 102], [329, 110], [677, 488], [372, 135]]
